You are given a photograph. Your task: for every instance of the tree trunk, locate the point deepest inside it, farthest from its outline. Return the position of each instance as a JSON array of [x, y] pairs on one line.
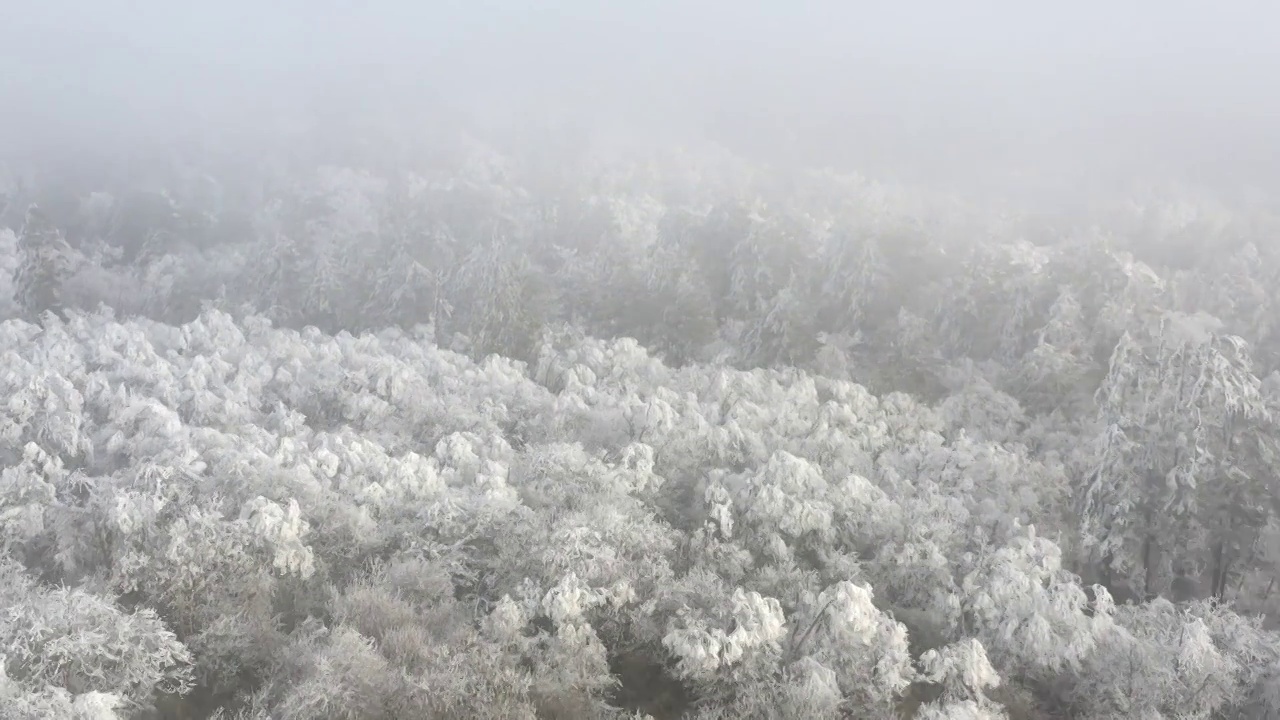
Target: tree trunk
[[1149, 567], [1221, 570], [1105, 575], [1248, 567], [1219, 580]]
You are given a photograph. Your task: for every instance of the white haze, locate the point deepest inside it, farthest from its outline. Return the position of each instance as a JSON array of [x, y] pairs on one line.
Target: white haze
[[1015, 96]]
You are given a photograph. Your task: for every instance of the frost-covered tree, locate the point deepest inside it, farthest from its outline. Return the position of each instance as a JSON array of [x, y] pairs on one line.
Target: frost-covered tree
[[1159, 660], [46, 262], [1181, 482], [77, 648], [1035, 618], [964, 674]]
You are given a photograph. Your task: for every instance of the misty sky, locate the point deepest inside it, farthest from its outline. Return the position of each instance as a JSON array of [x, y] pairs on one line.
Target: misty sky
[[902, 84]]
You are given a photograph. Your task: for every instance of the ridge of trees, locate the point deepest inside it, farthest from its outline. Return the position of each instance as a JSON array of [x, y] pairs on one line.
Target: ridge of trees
[[677, 438]]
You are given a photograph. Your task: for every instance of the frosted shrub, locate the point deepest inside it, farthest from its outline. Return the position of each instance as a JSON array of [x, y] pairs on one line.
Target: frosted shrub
[[73, 640], [706, 652]]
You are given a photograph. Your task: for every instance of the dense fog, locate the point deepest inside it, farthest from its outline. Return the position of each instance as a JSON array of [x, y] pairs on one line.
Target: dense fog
[[639, 361], [1003, 92]]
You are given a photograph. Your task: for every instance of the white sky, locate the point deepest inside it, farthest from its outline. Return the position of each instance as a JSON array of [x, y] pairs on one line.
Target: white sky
[[938, 86]]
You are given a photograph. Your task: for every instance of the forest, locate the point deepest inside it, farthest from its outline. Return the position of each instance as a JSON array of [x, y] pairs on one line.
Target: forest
[[474, 431]]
